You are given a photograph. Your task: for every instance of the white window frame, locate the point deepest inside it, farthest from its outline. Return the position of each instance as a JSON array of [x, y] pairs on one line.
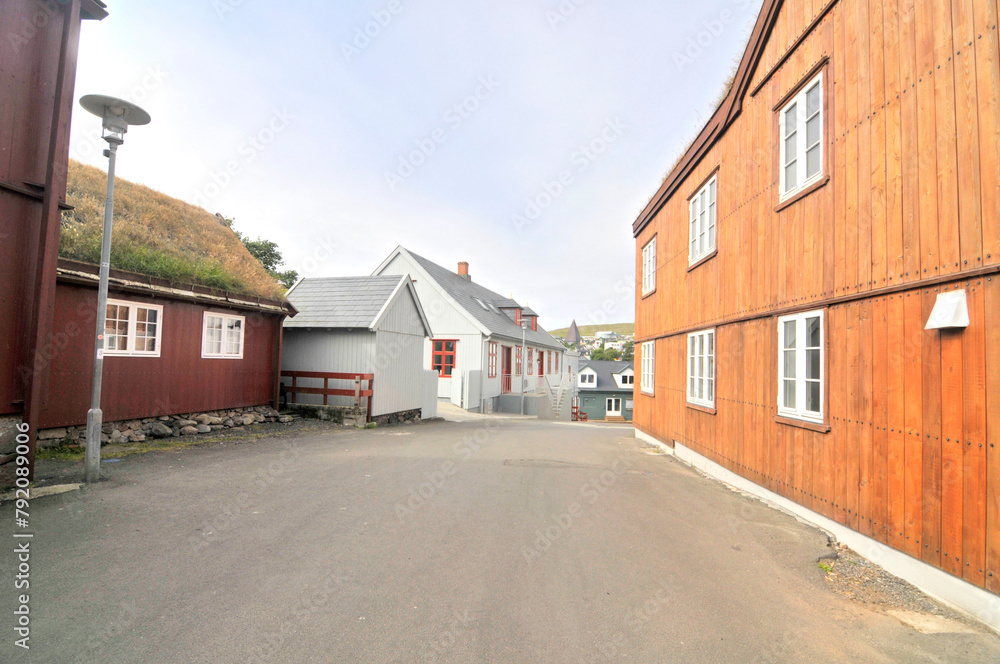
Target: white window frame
[[802, 117], [649, 267], [626, 379], [702, 214], [205, 354], [701, 386], [629, 404], [800, 378], [648, 377], [133, 308], [609, 400], [587, 379]]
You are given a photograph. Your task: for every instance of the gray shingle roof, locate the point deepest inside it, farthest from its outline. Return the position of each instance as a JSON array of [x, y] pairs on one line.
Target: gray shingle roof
[[340, 302], [465, 293], [606, 370]]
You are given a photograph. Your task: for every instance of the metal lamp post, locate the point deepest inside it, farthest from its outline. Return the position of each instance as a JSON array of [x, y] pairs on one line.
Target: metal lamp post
[[524, 360], [116, 116]]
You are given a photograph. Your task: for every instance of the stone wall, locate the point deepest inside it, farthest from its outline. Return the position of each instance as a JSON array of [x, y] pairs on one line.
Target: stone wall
[[397, 418], [167, 426]]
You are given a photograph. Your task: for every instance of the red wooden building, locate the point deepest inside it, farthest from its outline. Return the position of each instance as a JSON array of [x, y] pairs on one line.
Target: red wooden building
[[170, 350], [37, 74], [790, 262]]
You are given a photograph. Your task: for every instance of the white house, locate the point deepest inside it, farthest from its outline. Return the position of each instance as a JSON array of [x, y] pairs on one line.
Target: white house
[[477, 344], [361, 325]]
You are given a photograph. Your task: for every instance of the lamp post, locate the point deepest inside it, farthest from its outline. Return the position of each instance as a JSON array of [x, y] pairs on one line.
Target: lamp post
[[116, 115], [524, 360]]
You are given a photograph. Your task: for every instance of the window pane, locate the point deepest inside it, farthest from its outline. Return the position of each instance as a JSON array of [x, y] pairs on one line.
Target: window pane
[[711, 193], [790, 175], [812, 396], [449, 346], [710, 390], [812, 132], [710, 367], [789, 364], [711, 235], [812, 100], [791, 120], [711, 343], [437, 346], [813, 332], [790, 328], [788, 396], [812, 162], [812, 364]]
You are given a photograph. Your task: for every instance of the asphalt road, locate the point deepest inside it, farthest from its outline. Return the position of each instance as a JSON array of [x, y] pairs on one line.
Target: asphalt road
[[480, 541]]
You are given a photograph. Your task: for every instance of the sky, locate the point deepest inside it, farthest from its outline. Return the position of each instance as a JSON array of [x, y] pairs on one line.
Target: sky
[[521, 136]]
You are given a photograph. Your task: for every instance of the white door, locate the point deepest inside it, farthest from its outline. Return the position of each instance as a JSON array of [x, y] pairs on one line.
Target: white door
[[614, 407]]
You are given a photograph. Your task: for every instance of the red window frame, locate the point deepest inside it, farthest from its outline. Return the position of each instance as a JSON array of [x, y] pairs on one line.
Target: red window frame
[[534, 322], [517, 316], [518, 361], [493, 360], [440, 354], [531, 361], [548, 358], [557, 362]]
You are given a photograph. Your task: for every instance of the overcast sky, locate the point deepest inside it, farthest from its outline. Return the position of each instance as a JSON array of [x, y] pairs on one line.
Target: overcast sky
[[435, 130]]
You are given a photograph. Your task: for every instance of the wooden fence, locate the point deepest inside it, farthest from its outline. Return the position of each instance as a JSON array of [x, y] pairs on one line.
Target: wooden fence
[[326, 391]]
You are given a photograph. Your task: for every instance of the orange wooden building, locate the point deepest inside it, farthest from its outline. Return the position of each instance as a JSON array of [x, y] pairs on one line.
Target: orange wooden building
[[788, 266]]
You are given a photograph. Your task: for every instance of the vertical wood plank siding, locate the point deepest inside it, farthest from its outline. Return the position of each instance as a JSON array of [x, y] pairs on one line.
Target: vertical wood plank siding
[[912, 210]]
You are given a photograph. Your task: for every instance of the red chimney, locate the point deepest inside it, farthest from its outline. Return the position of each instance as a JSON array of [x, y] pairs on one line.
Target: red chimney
[[463, 271]]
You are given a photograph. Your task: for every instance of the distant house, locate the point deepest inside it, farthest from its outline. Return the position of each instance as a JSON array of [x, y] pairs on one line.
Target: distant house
[[362, 325], [170, 347], [605, 389], [477, 347]]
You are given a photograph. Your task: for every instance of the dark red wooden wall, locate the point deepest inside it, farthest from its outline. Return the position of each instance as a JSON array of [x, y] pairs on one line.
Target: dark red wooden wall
[[179, 381]]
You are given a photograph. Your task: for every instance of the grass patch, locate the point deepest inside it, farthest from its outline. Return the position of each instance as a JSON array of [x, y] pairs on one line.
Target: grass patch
[[158, 236], [826, 568], [61, 453]]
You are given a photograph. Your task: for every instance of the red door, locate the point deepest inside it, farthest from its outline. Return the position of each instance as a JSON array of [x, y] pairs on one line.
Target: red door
[[505, 378]]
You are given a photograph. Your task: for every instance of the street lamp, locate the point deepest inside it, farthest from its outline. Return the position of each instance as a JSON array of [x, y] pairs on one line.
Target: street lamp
[[524, 359], [116, 116]]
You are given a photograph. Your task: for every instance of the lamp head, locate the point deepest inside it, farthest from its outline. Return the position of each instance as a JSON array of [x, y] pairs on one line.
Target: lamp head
[[116, 115]]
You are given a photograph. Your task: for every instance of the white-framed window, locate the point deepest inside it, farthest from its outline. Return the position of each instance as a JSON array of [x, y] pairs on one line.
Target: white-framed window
[[648, 375], [628, 404], [133, 328], [613, 406], [800, 126], [703, 222], [222, 336], [800, 366], [649, 267], [628, 379], [587, 378], [701, 368]]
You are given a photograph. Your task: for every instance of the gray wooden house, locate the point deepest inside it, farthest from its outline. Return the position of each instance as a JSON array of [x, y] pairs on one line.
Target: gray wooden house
[[372, 326]]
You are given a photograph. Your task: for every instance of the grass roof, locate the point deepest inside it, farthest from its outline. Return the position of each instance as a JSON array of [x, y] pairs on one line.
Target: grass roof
[[159, 236]]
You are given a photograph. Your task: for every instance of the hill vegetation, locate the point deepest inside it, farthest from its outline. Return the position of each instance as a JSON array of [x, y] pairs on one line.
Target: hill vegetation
[[590, 330], [158, 236]]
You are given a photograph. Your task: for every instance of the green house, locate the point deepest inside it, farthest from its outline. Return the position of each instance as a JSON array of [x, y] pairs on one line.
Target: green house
[[606, 389]]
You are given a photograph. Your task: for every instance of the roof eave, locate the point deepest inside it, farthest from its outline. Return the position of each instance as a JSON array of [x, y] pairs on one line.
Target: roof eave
[[720, 121]]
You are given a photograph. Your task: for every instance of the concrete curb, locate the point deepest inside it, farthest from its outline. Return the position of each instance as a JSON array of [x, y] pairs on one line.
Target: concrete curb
[[42, 491]]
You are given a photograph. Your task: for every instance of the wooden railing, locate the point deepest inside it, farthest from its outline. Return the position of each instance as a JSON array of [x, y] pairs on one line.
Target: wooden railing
[[326, 391], [506, 384]]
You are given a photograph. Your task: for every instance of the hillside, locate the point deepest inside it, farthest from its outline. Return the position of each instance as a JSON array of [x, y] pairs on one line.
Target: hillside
[[591, 330], [159, 236]]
